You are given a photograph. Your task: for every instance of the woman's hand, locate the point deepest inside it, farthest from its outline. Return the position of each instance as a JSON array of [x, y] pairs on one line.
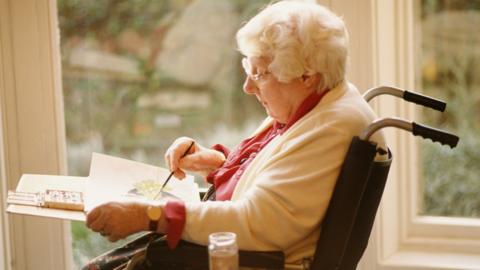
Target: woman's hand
[[199, 159], [117, 220]]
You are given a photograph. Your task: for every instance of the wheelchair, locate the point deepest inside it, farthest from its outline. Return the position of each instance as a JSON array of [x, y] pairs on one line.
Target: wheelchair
[[349, 218]]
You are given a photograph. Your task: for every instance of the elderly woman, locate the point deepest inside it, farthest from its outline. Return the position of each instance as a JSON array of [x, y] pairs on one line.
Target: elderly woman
[[273, 189]]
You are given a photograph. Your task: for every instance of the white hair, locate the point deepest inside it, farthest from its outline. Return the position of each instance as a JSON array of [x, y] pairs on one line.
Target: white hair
[[301, 38]]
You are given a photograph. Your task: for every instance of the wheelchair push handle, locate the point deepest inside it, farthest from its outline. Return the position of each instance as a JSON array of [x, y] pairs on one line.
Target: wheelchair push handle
[[407, 96], [434, 134], [424, 101]]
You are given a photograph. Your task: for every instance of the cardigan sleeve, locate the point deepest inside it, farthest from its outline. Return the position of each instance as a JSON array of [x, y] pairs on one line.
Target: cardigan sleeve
[[225, 151], [287, 202], [222, 149], [175, 215]]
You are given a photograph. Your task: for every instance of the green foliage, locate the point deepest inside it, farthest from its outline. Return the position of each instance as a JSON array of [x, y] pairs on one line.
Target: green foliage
[[105, 19], [87, 245], [451, 177], [435, 6], [248, 8], [104, 105]]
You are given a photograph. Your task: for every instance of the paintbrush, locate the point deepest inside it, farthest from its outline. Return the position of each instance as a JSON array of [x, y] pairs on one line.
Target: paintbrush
[[171, 174]]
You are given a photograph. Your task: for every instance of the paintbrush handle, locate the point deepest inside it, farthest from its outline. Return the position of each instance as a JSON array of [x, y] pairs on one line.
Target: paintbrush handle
[[171, 174]]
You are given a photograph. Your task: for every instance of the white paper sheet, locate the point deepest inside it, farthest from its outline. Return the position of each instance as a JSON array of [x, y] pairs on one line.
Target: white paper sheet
[[118, 179]]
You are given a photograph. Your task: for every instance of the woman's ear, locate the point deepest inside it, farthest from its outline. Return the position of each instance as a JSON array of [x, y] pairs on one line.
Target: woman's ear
[[312, 80]]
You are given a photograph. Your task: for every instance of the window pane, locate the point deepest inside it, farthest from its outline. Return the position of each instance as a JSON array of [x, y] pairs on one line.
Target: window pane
[[138, 74], [449, 57]]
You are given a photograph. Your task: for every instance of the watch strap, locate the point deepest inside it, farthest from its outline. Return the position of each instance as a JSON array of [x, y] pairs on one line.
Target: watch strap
[[153, 225]]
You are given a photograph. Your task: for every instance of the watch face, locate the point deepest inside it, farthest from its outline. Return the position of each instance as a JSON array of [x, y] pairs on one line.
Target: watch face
[[154, 212]]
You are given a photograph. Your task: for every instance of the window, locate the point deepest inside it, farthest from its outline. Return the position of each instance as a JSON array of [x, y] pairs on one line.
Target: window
[[449, 59], [138, 74], [407, 234], [383, 52]]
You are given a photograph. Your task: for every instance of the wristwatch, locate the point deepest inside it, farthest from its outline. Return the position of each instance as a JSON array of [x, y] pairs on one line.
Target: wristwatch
[[154, 213]]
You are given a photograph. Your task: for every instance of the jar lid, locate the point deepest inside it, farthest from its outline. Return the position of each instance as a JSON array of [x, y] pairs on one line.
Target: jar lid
[[222, 238]]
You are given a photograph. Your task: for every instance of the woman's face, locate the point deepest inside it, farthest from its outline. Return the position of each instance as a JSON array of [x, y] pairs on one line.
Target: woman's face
[[281, 100]]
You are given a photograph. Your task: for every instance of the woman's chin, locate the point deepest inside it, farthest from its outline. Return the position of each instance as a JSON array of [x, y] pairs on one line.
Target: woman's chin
[[272, 115], [269, 113]]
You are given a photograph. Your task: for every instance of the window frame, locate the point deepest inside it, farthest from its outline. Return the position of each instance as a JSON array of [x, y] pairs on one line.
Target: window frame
[[33, 139], [405, 239], [383, 40]]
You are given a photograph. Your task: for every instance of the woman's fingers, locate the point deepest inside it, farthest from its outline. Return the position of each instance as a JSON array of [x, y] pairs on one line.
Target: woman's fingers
[[176, 151], [113, 238], [198, 159], [92, 215], [204, 160], [179, 174], [189, 162], [96, 219], [167, 159], [116, 220]]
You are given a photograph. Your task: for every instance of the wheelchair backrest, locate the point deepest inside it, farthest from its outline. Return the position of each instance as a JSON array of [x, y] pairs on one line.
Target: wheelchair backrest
[[349, 218]]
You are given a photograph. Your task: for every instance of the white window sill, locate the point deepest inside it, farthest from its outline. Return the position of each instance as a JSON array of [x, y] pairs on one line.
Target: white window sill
[[428, 260]]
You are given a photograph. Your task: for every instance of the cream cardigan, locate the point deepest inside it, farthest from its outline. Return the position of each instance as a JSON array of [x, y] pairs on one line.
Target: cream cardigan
[[281, 198]]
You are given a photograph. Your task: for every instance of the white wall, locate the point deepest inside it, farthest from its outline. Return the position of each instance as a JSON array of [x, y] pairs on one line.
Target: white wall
[[32, 124]]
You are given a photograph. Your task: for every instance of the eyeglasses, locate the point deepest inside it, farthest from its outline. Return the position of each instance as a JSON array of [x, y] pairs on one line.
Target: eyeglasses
[[258, 77]]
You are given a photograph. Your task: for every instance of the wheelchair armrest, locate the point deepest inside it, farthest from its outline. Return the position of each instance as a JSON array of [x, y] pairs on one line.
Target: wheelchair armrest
[[196, 256], [202, 192], [262, 259]]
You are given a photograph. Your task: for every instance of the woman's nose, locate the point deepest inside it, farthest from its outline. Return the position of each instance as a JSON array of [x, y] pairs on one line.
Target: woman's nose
[[249, 86]]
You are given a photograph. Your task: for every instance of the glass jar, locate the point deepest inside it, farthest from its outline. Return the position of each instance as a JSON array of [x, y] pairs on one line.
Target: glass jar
[[223, 251]]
